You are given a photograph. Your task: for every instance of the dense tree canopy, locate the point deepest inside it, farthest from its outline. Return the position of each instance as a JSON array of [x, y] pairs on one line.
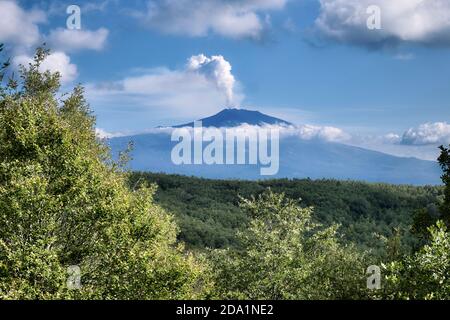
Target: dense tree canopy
[[285, 255], [209, 215], [423, 275], [63, 202], [444, 161]]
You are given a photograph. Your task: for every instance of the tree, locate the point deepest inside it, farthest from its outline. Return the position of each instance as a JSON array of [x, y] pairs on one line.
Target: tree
[[427, 217], [64, 202], [285, 255], [444, 161], [425, 274]]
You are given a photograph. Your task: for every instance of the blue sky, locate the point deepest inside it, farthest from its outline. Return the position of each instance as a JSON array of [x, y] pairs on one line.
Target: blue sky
[[310, 62]]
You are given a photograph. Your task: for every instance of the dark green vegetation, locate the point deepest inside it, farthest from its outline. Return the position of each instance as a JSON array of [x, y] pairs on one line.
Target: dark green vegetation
[[64, 202], [208, 212], [286, 255]]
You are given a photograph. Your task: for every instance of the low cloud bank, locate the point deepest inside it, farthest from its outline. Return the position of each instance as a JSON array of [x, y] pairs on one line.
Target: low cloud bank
[[427, 134]]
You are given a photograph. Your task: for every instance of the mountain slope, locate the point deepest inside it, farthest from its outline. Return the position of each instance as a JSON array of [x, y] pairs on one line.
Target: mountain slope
[[298, 159]]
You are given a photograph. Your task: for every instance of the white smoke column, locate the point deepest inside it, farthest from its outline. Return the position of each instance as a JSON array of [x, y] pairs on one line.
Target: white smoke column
[[216, 69]]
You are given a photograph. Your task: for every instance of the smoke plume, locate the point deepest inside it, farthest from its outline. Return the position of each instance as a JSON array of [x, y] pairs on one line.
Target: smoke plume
[[217, 70]]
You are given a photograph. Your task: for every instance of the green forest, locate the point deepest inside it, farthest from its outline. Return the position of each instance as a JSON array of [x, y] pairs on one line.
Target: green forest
[[66, 204], [208, 212]]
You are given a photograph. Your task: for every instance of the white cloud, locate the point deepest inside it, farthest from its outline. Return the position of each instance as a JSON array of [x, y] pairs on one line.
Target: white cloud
[[234, 19], [304, 132], [391, 138], [19, 31], [325, 133], [73, 40], [403, 21], [427, 134], [103, 134], [19, 28], [55, 62], [421, 142]]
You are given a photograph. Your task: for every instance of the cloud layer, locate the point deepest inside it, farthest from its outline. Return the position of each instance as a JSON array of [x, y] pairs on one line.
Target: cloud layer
[[304, 132], [428, 134], [234, 19], [424, 22], [75, 40]]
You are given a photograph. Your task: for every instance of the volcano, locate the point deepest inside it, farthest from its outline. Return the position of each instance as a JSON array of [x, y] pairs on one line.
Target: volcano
[[298, 158], [228, 118]]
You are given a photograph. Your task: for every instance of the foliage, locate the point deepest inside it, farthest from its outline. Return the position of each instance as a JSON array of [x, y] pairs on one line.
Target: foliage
[[285, 255], [63, 202], [424, 275], [427, 217], [444, 161], [209, 215]]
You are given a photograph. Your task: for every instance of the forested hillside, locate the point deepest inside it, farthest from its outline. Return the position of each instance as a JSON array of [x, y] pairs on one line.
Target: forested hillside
[[208, 214]]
